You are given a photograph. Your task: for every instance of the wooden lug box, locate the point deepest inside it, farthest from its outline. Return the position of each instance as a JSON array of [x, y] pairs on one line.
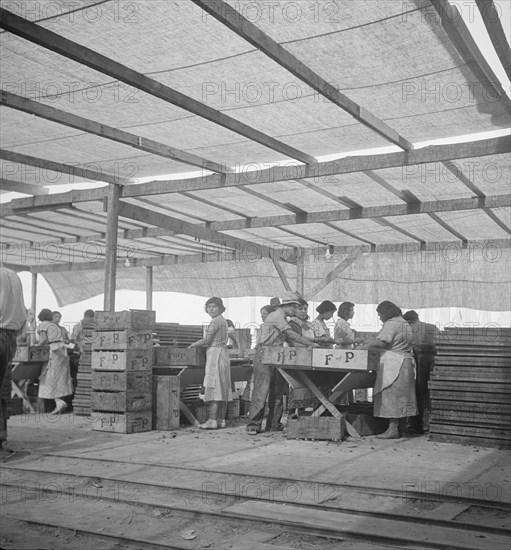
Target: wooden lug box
[[134, 319], [166, 397], [316, 427], [112, 340], [123, 423], [322, 359], [29, 354], [233, 409], [169, 356], [123, 401], [122, 381], [122, 360]]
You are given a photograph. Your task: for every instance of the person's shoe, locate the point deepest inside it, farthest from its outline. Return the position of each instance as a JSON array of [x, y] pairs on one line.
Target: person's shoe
[[252, 431], [277, 428], [59, 409], [209, 425], [389, 434], [222, 424]]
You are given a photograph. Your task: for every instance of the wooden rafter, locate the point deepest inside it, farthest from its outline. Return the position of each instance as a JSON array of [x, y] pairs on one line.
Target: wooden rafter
[[108, 132], [460, 36], [240, 25], [281, 273], [265, 198], [335, 272], [493, 24], [463, 178], [386, 185], [349, 234], [323, 192], [215, 205], [346, 165], [497, 220], [448, 227], [385, 223], [303, 237], [70, 169], [67, 48], [20, 187]]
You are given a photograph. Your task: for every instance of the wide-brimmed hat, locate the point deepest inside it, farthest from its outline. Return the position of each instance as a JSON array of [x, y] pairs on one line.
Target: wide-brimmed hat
[[290, 298]]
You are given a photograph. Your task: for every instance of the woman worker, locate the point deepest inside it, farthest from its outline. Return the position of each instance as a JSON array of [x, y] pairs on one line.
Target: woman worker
[[394, 389], [55, 378], [217, 378], [322, 334], [344, 335]]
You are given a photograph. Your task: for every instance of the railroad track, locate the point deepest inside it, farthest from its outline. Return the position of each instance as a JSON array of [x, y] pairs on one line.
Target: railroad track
[[334, 510]]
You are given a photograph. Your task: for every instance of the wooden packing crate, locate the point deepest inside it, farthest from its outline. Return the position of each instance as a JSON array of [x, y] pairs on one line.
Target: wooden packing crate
[[123, 423], [31, 354], [233, 409], [123, 360], [113, 340], [338, 359], [134, 319], [169, 356], [123, 401], [166, 397], [122, 381], [316, 427]]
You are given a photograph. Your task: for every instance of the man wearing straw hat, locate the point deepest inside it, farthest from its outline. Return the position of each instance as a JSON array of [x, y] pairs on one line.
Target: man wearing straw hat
[[267, 380]]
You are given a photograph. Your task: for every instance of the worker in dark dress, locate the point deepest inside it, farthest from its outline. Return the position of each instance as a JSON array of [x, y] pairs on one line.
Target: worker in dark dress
[[424, 337]]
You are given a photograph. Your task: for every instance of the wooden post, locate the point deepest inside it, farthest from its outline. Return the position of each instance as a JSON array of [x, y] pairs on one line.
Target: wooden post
[[33, 303], [149, 287], [300, 270], [112, 208]]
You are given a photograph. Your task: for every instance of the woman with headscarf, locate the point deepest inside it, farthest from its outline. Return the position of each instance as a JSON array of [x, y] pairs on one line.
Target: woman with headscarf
[[55, 378], [344, 335], [394, 389], [322, 334], [217, 378]]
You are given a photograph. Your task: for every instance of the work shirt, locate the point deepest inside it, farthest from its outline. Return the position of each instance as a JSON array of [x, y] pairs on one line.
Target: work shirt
[[396, 333], [273, 329], [424, 337], [344, 335], [13, 313]]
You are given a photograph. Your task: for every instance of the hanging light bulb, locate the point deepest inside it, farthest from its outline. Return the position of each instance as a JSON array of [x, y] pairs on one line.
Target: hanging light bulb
[[127, 262]]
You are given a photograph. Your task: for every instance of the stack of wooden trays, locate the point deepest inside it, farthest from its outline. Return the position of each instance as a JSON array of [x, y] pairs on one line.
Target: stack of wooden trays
[[470, 388], [176, 335], [122, 361], [82, 395]]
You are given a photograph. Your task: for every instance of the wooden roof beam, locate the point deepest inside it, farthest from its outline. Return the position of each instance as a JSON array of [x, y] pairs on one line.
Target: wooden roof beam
[[385, 223], [335, 272], [497, 220], [240, 25], [318, 172], [67, 48], [20, 187], [460, 36], [70, 169], [215, 205], [349, 234], [449, 228], [491, 18], [108, 132]]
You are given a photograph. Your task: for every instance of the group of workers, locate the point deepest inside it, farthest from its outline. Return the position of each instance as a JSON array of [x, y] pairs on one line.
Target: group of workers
[[400, 392]]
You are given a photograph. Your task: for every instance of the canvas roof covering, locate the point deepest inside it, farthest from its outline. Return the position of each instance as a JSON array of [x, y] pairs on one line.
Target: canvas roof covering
[[412, 230]]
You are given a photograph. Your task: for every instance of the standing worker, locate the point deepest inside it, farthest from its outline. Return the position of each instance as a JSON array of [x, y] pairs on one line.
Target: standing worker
[[13, 317], [424, 337]]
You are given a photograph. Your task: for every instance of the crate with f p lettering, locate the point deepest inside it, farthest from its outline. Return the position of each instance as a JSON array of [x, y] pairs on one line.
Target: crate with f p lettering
[[123, 340]]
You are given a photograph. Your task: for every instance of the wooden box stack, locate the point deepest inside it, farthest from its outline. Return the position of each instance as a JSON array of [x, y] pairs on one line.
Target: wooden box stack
[[121, 380], [82, 396], [31, 354], [176, 335], [470, 388]]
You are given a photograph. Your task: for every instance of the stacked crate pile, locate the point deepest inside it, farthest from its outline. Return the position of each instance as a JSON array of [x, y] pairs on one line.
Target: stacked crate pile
[[470, 388], [82, 395], [122, 361], [176, 335]]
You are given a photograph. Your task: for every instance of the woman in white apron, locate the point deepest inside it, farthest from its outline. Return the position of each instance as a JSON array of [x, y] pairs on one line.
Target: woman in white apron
[[217, 378], [394, 389]]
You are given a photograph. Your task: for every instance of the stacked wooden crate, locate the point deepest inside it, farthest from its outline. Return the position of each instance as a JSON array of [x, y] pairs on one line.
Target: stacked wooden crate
[[470, 388], [122, 361], [82, 395], [176, 335]]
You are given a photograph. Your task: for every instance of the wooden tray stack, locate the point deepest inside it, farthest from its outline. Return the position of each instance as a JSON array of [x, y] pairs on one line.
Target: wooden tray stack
[[470, 388], [82, 396], [176, 335], [122, 361]]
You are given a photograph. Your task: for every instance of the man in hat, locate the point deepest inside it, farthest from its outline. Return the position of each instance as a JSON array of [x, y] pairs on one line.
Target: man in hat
[[424, 350], [268, 382]]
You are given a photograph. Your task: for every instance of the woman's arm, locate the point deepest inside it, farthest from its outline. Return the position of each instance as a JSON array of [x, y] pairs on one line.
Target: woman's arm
[[208, 338], [43, 338], [374, 344]]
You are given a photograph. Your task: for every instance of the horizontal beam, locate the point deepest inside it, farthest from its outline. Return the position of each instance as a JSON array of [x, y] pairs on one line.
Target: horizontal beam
[[408, 250], [108, 132], [317, 172], [240, 25], [20, 187], [70, 169], [71, 50]]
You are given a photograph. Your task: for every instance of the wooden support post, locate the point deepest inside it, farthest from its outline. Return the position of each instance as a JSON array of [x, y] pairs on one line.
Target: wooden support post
[[149, 287], [300, 271], [112, 223], [33, 303]]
